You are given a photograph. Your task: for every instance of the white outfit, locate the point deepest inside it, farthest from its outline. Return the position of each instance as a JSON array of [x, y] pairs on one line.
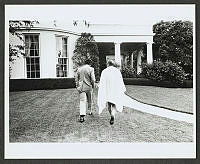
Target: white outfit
[[111, 89]]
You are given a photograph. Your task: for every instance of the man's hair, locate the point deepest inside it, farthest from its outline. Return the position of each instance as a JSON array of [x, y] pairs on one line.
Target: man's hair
[[111, 62]]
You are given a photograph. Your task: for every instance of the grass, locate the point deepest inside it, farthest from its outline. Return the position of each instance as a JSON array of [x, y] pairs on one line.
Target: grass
[[180, 99], [52, 116]]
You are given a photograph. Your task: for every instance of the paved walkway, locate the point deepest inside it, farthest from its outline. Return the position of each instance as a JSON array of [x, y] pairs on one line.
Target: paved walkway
[[131, 103]]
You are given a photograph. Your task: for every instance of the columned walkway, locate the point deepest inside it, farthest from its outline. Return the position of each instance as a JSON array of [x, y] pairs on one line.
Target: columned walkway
[[118, 52]]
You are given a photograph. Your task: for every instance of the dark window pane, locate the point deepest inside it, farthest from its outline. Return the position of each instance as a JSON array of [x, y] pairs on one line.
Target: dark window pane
[[65, 74], [37, 67], [32, 67], [31, 52], [31, 36], [28, 60], [28, 67], [32, 60], [26, 38], [36, 37], [35, 45], [32, 45], [28, 74], [37, 74], [37, 52], [32, 74], [36, 60], [64, 40]]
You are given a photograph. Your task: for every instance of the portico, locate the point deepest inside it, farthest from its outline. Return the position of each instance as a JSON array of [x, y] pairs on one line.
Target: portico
[[131, 40], [118, 52], [122, 34]]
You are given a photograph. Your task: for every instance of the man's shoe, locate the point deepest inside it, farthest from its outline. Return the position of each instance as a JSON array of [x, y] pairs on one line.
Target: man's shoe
[[112, 120], [82, 119]]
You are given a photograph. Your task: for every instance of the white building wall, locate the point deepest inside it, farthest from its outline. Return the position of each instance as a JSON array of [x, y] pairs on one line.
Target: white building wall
[[71, 46], [121, 39], [47, 54], [47, 50]]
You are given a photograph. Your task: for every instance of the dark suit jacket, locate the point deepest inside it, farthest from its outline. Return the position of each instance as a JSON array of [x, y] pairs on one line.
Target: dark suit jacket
[[85, 74]]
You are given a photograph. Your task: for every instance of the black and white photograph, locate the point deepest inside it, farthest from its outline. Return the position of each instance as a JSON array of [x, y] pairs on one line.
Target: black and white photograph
[[100, 81]]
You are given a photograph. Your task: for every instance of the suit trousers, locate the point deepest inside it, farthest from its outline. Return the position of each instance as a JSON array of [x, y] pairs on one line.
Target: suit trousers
[[85, 101]]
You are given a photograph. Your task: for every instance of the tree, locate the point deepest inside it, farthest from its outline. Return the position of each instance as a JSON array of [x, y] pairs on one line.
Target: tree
[[14, 30], [175, 42], [86, 48]]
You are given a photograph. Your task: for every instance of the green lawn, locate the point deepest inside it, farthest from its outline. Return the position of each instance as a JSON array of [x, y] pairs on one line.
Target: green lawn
[[180, 99], [52, 116]]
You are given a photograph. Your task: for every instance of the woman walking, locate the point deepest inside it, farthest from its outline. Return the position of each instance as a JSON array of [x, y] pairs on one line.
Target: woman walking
[[111, 90]]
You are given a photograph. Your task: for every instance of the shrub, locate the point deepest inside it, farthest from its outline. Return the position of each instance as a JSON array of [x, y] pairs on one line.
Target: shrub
[[128, 71], [174, 40], [86, 48], [167, 71]]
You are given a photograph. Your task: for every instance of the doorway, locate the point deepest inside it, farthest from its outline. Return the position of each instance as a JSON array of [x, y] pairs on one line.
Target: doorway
[[106, 51]]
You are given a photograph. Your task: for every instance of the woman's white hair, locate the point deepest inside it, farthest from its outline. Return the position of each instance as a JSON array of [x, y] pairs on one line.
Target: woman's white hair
[[111, 62]]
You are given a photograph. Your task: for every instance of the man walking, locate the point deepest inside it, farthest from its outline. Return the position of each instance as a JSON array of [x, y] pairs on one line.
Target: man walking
[[85, 81]]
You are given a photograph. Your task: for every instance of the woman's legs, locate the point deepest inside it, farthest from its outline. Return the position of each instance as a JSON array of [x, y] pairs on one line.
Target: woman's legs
[[112, 111]]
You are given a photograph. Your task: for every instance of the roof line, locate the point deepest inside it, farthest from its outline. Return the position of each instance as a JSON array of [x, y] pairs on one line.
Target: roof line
[[79, 34]]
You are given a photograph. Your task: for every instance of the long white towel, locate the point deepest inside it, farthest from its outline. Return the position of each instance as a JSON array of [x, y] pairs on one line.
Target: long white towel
[[111, 89]]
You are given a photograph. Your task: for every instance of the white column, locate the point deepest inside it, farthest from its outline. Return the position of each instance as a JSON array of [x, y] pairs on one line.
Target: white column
[[139, 62], [70, 48], [132, 60], [149, 53], [117, 53]]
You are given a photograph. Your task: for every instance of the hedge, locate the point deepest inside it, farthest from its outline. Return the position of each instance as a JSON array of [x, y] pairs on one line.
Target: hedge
[[39, 84], [64, 83], [148, 82], [164, 71]]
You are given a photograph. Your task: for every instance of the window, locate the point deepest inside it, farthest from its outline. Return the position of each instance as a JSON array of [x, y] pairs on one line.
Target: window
[[32, 55], [62, 58]]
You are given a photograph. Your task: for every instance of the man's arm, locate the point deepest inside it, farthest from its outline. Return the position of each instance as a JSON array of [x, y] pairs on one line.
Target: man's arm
[[92, 77]]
